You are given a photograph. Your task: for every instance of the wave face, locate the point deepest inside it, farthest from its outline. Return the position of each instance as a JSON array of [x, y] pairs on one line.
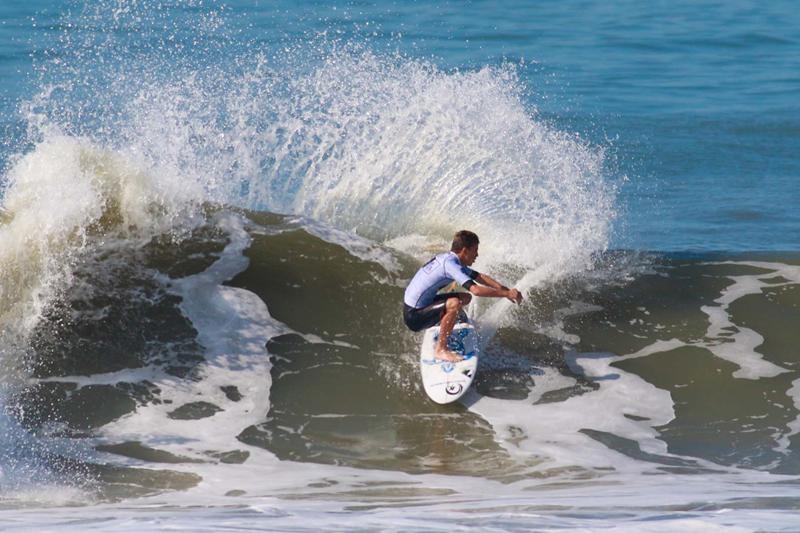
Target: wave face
[[295, 380]]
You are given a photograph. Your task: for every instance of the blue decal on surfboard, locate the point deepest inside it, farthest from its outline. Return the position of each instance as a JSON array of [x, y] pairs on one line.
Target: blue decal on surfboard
[[456, 342]]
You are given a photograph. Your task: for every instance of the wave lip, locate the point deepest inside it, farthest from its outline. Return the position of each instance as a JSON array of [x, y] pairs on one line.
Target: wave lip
[[391, 146], [62, 199]]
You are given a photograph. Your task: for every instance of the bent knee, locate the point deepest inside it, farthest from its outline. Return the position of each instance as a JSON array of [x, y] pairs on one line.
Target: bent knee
[[456, 303], [453, 304]]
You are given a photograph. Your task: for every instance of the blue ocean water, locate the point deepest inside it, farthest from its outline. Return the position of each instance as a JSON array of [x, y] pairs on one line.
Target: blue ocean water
[[695, 103]]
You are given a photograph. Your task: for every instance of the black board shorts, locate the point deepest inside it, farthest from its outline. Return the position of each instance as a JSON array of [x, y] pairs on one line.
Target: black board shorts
[[428, 316]]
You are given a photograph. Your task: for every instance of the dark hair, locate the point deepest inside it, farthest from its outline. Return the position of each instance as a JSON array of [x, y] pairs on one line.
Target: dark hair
[[464, 239]]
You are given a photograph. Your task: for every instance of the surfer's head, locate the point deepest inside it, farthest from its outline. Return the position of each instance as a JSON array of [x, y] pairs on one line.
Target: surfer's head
[[464, 239], [465, 245]]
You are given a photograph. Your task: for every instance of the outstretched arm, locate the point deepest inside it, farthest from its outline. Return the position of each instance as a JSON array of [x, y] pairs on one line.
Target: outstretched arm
[[485, 279], [492, 288]]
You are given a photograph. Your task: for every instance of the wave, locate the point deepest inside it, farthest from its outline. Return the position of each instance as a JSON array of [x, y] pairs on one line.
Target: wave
[[63, 199], [136, 142], [379, 144], [146, 169], [154, 360]]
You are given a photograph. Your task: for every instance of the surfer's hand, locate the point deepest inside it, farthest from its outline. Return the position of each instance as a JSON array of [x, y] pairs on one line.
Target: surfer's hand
[[515, 296]]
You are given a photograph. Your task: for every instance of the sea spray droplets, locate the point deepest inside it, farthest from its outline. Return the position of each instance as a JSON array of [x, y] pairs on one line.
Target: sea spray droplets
[[45, 215], [390, 146], [376, 143], [385, 146]]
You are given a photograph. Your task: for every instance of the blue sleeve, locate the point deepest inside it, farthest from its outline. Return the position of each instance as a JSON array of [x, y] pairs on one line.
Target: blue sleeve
[[458, 272]]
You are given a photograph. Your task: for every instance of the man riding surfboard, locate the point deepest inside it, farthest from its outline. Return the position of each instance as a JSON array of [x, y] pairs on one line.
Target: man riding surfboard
[[423, 307]]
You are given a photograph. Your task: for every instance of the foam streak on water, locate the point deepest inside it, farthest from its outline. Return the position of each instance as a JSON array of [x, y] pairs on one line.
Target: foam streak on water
[[233, 326], [728, 340]]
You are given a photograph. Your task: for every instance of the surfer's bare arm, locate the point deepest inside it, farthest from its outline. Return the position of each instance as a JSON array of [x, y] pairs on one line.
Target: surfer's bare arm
[[487, 286]]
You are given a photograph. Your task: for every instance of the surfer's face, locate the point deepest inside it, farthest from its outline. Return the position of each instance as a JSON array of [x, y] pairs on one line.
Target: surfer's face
[[469, 255]]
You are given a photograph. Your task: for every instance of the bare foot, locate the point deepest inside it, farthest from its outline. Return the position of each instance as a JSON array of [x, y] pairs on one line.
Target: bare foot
[[447, 355]]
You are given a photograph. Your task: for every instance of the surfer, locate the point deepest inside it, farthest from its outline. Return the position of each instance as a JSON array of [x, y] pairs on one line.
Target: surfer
[[424, 308]]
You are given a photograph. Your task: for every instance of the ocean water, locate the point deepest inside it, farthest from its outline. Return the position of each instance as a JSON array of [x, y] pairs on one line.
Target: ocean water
[[209, 211]]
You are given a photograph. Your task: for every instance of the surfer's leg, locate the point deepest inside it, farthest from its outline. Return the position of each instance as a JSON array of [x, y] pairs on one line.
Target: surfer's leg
[[452, 308], [466, 298], [419, 319]]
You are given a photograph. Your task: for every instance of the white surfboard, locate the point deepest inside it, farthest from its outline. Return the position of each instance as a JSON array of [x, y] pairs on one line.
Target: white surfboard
[[445, 381]]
